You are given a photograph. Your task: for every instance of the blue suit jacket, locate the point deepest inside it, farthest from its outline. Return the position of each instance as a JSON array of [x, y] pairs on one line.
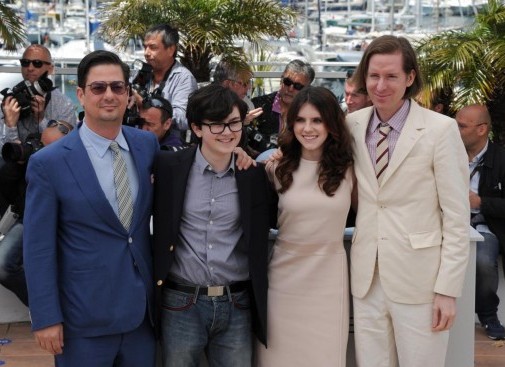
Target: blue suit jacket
[[83, 269]]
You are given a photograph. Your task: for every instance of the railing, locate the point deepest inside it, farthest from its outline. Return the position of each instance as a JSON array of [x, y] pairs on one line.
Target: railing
[[328, 74]]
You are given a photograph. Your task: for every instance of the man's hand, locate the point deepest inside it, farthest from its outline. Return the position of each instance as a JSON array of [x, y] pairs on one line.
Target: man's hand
[[474, 200], [50, 338], [243, 160], [11, 111], [38, 107], [444, 312], [252, 114]]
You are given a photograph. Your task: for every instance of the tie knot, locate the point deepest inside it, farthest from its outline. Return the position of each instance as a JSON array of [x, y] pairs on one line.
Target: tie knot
[[114, 146], [384, 125]]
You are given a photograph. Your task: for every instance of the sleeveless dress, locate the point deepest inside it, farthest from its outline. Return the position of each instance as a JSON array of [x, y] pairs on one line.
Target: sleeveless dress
[[308, 295]]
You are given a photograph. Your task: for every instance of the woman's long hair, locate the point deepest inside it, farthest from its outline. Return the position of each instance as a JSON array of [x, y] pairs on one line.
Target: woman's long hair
[[337, 151]]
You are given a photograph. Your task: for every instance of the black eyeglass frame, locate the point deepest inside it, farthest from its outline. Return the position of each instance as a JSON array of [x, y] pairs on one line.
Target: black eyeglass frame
[[224, 125], [288, 83], [36, 63]]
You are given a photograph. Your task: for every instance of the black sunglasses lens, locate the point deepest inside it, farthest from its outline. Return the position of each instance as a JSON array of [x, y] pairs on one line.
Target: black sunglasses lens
[[36, 63], [288, 83]]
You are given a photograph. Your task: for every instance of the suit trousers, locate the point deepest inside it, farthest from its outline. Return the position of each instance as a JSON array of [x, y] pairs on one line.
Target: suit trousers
[[389, 334], [130, 349]]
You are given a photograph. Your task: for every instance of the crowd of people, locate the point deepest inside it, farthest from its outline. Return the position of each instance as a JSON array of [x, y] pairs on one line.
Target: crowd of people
[[131, 240]]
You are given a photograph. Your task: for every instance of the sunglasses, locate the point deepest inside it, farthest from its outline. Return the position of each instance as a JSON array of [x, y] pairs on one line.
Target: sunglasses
[[156, 103], [117, 87], [36, 63], [288, 83], [63, 127]]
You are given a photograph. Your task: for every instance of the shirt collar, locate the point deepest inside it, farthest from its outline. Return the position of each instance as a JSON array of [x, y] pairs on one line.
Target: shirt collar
[[396, 121], [480, 156], [101, 144], [202, 164], [276, 106]]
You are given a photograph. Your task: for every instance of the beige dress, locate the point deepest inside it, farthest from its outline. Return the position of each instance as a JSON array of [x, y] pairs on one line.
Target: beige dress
[[308, 296]]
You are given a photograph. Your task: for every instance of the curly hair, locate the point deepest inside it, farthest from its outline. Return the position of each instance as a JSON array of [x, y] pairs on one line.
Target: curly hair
[[337, 151]]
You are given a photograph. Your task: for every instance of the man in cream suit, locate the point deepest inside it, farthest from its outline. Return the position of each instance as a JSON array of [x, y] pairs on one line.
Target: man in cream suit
[[410, 246]]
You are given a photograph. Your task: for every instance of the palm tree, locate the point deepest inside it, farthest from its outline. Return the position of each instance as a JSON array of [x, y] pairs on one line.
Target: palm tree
[[470, 63], [207, 28], [11, 28]]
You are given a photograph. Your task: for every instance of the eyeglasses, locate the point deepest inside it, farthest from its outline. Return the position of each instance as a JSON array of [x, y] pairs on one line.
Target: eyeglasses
[[157, 103], [288, 83], [218, 127], [99, 88], [36, 63], [62, 126]]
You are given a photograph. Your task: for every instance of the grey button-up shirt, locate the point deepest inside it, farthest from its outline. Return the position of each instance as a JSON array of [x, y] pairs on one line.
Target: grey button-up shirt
[[211, 252]]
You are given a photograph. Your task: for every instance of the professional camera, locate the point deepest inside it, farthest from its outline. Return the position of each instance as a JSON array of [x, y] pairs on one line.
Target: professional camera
[[15, 152], [142, 74], [132, 118], [24, 92]]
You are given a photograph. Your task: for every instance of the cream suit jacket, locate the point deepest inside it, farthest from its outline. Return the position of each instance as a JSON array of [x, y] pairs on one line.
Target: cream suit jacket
[[417, 222]]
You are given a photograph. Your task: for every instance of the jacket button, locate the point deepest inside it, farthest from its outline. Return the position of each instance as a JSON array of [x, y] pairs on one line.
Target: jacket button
[[171, 248], [159, 282]]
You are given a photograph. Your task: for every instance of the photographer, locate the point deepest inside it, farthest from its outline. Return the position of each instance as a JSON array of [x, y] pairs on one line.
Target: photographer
[[33, 102], [12, 193], [170, 79], [156, 113]]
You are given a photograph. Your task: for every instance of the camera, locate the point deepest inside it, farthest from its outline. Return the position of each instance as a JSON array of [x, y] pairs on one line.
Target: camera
[[142, 74], [133, 119], [24, 92], [20, 152]]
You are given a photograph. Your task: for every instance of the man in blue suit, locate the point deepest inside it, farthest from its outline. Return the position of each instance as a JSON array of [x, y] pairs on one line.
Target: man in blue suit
[[87, 248]]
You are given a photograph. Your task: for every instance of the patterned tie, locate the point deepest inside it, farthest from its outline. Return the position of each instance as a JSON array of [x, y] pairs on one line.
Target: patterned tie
[[123, 194], [382, 151]]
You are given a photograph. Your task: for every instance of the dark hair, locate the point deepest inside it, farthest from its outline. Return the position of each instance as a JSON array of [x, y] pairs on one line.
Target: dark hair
[[99, 57], [213, 102], [169, 35], [391, 45], [300, 67], [337, 151]]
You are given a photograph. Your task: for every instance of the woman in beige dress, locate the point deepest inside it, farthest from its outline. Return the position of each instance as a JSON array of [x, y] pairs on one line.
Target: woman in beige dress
[[308, 296]]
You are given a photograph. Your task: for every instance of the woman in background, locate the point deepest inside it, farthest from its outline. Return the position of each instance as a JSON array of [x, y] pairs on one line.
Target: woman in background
[[308, 296]]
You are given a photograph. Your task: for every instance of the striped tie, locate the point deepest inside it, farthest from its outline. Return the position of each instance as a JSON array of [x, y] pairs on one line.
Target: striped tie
[[382, 151], [123, 194]]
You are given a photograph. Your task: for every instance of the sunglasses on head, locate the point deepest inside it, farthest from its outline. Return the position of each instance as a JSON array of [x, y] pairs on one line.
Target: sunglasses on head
[[62, 126], [117, 87], [36, 63], [288, 83], [156, 103]]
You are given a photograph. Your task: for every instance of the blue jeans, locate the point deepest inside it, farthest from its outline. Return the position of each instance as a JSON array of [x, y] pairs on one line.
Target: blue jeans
[[12, 273], [219, 326], [486, 281]]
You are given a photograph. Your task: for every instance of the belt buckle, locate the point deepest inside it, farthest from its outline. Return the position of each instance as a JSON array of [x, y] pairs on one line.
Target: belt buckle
[[215, 291]]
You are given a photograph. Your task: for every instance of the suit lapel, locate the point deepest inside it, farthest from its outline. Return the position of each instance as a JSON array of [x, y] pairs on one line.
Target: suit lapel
[[77, 160], [179, 178], [359, 127], [244, 200], [139, 158], [410, 134]]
